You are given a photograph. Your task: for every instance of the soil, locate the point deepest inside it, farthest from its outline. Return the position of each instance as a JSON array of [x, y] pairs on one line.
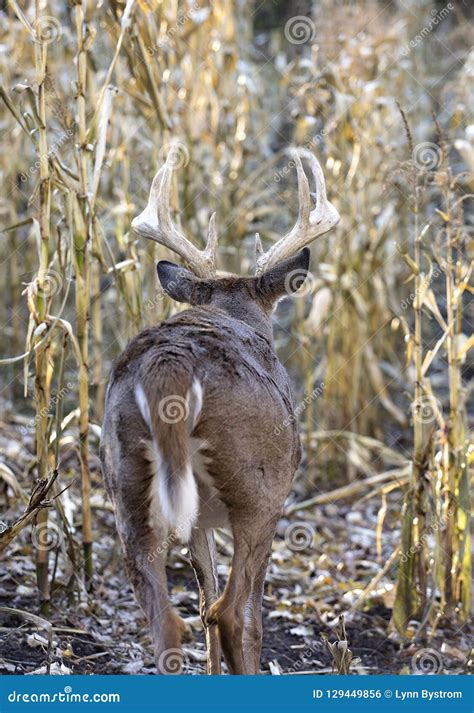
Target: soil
[[310, 585]]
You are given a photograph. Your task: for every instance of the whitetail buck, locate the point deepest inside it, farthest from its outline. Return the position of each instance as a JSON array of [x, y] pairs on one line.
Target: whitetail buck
[[188, 441]]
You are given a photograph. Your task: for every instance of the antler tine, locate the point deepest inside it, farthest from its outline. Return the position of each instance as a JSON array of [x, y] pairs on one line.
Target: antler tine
[[304, 198], [155, 223], [258, 247], [212, 238], [310, 223]]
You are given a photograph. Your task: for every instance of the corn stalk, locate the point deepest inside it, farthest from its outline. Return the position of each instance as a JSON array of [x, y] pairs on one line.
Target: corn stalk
[[411, 581], [437, 501], [453, 552], [40, 309], [82, 239]]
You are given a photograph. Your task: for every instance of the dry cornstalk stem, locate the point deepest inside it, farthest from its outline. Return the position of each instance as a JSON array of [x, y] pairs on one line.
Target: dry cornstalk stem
[[399, 476], [376, 579], [453, 554], [340, 652], [36, 505], [439, 458], [411, 579], [82, 237], [42, 354]]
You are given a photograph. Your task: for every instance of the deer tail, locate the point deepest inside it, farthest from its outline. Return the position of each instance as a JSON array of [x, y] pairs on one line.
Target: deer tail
[[170, 405]]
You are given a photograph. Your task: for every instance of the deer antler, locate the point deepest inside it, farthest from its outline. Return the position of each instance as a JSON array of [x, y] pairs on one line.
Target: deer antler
[[310, 223], [155, 222]]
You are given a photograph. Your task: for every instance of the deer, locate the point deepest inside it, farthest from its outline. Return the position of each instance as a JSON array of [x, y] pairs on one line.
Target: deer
[[189, 443]]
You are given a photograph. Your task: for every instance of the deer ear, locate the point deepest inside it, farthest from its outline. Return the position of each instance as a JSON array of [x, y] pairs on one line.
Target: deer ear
[[286, 277], [177, 282]]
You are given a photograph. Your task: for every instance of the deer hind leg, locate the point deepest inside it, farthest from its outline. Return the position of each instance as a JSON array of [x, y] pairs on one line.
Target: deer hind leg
[[238, 611], [202, 550], [148, 579], [144, 541], [253, 620]]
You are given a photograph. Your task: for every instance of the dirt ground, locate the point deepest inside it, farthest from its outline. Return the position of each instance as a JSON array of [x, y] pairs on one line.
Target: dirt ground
[[322, 560]]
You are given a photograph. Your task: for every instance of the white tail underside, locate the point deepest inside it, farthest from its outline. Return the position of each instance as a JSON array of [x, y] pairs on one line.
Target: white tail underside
[[181, 511]]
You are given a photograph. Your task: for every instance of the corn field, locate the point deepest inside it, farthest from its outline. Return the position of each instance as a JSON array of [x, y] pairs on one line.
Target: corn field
[[373, 547]]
